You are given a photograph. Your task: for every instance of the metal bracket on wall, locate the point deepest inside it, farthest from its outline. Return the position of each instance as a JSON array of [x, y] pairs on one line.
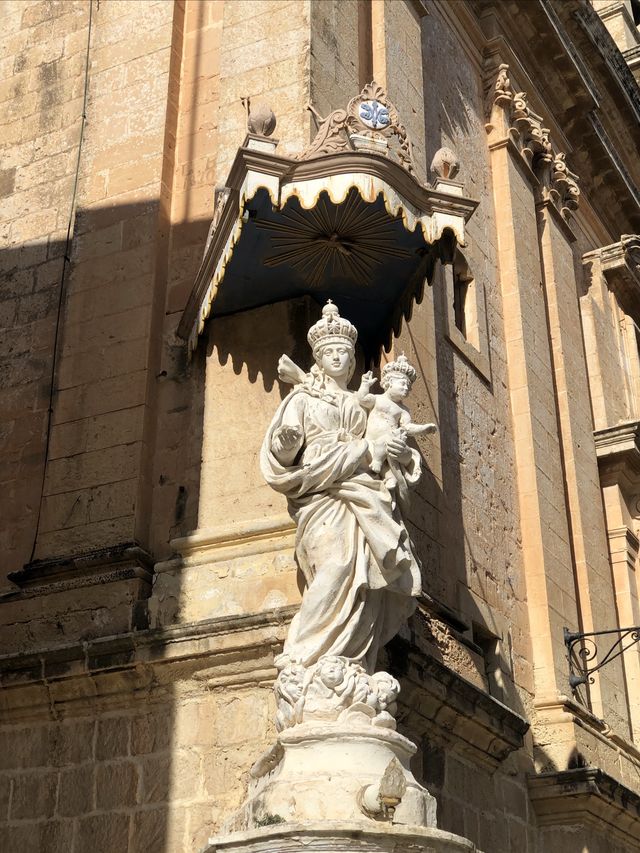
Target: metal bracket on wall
[[580, 671]]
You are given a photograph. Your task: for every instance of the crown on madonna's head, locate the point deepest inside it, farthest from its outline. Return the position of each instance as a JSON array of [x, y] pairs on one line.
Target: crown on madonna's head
[[331, 329], [400, 365]]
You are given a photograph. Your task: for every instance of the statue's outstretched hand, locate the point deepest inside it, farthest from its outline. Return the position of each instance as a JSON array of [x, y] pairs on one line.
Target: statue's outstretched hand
[[287, 437], [286, 442]]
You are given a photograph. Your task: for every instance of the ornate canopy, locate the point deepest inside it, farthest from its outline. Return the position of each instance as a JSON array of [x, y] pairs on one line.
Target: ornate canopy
[[347, 219]]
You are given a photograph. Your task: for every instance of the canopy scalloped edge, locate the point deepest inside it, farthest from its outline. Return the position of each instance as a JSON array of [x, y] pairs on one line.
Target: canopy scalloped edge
[[308, 192]]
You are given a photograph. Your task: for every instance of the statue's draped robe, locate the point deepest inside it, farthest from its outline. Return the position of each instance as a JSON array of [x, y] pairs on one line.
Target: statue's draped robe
[[351, 544]]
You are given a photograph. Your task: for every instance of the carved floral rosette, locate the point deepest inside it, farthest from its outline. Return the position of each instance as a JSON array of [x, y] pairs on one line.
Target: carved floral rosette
[[525, 127], [335, 689], [369, 114]]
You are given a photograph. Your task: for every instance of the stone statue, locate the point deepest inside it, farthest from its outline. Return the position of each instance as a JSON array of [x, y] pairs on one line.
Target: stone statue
[[352, 545], [342, 460]]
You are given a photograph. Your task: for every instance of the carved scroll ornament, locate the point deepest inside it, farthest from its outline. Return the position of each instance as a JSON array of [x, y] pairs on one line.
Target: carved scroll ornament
[[370, 115], [525, 127]]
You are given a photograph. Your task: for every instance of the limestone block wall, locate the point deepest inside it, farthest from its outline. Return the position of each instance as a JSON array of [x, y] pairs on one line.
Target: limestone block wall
[[43, 80], [96, 482], [146, 445], [479, 569], [110, 773]]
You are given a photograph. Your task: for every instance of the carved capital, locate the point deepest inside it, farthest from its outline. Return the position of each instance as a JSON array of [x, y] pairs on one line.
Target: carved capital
[[511, 115], [498, 89], [564, 188]]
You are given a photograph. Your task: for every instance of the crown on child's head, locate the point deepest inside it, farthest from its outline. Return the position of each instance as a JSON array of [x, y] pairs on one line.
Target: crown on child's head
[[400, 365], [331, 329]]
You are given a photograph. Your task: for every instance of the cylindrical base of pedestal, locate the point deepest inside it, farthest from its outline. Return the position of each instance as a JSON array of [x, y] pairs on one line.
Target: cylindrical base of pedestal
[[339, 837], [322, 772]]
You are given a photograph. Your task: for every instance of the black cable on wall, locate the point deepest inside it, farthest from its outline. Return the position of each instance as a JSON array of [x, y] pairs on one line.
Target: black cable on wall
[[65, 263]]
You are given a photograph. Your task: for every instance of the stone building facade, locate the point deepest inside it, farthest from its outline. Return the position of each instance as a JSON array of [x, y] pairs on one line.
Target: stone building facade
[[147, 572]]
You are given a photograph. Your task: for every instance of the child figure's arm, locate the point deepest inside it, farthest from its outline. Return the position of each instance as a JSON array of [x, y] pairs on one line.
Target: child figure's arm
[[363, 395], [415, 429]]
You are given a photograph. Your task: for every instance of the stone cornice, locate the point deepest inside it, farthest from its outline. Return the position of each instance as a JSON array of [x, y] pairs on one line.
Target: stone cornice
[[105, 672], [618, 454], [110, 671], [602, 40], [124, 561], [616, 160], [589, 796], [602, 151], [579, 64], [458, 713], [620, 265]]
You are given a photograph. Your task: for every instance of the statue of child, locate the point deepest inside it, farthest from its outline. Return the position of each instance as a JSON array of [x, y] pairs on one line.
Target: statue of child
[[387, 414]]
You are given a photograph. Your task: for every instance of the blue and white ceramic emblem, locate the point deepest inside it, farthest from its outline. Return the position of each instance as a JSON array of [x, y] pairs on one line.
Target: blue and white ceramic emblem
[[373, 114]]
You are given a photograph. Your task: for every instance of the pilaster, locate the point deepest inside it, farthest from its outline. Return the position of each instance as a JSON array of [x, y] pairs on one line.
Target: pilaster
[[544, 524]]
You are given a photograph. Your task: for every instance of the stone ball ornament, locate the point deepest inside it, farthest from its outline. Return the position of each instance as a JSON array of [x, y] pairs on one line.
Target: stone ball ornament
[[445, 164], [261, 120]]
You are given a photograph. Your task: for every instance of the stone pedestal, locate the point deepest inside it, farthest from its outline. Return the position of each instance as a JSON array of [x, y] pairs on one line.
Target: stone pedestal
[[318, 772], [341, 837]]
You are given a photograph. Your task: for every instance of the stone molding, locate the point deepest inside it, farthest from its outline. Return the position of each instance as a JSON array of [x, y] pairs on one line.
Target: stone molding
[[619, 754], [589, 796], [71, 680], [620, 264], [125, 561], [602, 40], [613, 155], [578, 63], [242, 539], [459, 714], [618, 454], [632, 56], [340, 837], [509, 114]]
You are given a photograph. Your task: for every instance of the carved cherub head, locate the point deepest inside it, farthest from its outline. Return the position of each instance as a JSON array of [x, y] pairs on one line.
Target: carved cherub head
[[331, 670], [388, 689], [290, 682]]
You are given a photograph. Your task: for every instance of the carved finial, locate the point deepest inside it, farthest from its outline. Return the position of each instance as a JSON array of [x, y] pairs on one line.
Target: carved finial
[[445, 164], [261, 120]]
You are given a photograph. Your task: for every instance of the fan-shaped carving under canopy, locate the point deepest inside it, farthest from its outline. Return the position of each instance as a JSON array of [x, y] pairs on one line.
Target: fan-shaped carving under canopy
[[354, 227]]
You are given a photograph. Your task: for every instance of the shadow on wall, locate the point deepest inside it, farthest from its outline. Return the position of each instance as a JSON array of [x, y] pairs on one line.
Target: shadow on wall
[[90, 766], [121, 383]]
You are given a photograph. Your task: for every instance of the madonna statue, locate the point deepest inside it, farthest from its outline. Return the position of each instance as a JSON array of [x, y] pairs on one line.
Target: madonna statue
[[352, 544]]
